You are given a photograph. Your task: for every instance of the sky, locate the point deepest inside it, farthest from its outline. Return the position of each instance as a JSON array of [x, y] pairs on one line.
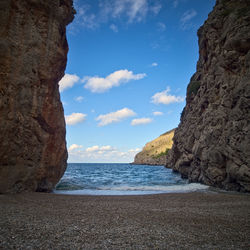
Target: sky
[[129, 64]]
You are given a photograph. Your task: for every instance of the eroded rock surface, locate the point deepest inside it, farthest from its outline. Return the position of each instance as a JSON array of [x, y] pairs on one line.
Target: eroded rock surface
[[212, 142], [33, 55]]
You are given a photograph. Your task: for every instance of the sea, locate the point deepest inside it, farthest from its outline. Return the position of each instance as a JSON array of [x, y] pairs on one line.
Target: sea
[[122, 179]]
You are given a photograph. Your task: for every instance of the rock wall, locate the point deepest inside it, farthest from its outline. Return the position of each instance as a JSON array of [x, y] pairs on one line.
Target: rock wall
[[33, 55], [212, 141], [149, 160], [154, 152]]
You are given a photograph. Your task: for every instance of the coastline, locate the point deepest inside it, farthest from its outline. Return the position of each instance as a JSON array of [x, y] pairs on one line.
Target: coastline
[[137, 190], [198, 220]]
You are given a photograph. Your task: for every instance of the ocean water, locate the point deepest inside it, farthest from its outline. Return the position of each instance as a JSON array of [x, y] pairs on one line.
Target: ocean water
[[122, 179]]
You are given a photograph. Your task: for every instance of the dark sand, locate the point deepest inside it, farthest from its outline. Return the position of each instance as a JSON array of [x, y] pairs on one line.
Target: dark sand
[[165, 221]]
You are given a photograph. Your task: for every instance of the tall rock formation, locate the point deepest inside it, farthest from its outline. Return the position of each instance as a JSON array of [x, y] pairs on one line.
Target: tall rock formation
[[212, 141], [155, 152], [33, 55]]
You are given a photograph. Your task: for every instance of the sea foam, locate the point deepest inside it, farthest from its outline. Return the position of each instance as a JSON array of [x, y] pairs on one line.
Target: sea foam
[[122, 179]]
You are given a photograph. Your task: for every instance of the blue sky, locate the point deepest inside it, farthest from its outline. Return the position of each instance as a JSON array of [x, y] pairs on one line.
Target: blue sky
[[129, 64]]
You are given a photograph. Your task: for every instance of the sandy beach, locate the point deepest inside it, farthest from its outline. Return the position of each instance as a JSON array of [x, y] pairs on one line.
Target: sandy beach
[[201, 220]]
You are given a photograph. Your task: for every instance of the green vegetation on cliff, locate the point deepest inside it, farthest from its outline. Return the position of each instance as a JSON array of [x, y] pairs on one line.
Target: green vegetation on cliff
[[155, 152], [162, 154]]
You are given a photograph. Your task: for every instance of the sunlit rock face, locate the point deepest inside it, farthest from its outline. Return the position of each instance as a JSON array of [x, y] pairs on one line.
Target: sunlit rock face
[[155, 152], [212, 142], [33, 55]]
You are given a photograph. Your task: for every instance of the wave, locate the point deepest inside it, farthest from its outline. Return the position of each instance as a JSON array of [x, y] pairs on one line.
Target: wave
[[139, 190], [122, 179], [184, 187]]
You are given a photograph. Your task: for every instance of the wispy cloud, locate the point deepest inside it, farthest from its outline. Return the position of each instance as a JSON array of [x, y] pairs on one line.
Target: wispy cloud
[[186, 17], [154, 64], [79, 98], [99, 153], [141, 121], [161, 26], [75, 118], [85, 17], [134, 10], [98, 84], [175, 3], [155, 45], [129, 11], [68, 81], [113, 27], [157, 113], [155, 9], [116, 116], [165, 98]]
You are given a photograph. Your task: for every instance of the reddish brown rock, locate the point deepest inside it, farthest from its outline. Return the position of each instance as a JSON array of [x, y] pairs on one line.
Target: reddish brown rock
[[33, 55], [212, 142]]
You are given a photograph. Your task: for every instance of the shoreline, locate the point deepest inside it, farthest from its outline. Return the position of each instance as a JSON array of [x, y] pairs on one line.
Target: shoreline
[[196, 220], [136, 190]]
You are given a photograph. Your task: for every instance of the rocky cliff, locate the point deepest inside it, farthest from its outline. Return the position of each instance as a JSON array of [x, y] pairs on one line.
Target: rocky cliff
[[155, 152], [212, 141], [33, 55]]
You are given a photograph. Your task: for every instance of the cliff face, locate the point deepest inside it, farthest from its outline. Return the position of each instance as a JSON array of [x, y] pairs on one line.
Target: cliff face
[[154, 152], [212, 141], [33, 55]]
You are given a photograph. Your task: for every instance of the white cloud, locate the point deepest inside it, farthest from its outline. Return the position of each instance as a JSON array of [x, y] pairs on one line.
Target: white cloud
[[74, 147], [99, 149], [98, 84], [155, 64], [79, 98], [106, 148], [75, 118], [186, 17], [161, 26], [68, 81], [136, 150], [141, 121], [100, 154], [116, 116], [92, 149], [165, 98], [114, 28], [157, 113]]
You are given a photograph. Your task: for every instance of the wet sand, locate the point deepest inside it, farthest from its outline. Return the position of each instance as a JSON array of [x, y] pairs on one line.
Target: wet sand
[[201, 220]]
